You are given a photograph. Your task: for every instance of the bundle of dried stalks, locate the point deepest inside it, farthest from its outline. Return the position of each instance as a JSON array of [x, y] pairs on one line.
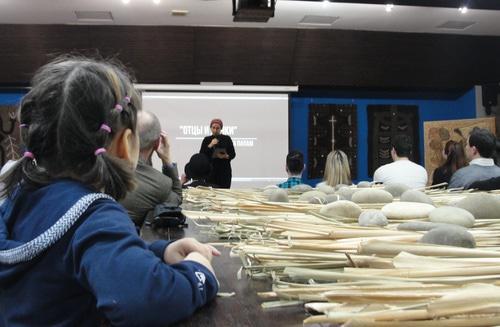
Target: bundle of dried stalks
[[366, 276]]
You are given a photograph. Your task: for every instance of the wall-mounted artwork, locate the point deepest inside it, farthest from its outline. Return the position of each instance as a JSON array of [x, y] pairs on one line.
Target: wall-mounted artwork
[[331, 126], [9, 134], [437, 133], [384, 123]]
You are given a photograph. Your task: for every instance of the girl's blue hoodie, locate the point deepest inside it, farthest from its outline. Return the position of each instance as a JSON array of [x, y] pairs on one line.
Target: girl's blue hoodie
[[98, 271]]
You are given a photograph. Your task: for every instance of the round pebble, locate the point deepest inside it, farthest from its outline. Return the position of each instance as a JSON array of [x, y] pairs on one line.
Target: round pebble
[[407, 210], [396, 189], [364, 184], [418, 225], [327, 189], [268, 190], [416, 196], [308, 196], [449, 235], [372, 218], [279, 195], [481, 206], [301, 188], [452, 215], [341, 208], [333, 197], [347, 192], [372, 196]]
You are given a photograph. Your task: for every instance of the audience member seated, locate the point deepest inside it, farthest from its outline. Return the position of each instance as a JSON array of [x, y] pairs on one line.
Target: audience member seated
[[294, 168], [402, 170], [153, 187], [479, 150], [337, 170], [454, 156], [197, 171]]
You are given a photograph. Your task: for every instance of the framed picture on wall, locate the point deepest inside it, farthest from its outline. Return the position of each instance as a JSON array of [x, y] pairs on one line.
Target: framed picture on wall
[[384, 123], [9, 134], [331, 126], [437, 133]]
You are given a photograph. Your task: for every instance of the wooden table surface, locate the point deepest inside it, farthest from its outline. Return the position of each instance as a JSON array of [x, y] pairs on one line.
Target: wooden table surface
[[242, 309]]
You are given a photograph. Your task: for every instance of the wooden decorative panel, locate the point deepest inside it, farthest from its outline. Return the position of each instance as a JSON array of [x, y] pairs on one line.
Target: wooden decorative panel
[[326, 120], [384, 123], [9, 134], [437, 133]]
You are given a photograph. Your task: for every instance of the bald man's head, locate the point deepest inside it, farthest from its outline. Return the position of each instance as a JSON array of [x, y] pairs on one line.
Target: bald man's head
[[149, 129]]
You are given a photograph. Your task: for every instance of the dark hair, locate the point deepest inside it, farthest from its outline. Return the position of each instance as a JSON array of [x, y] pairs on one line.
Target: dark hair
[[198, 167], [295, 162], [149, 129], [455, 157], [71, 97], [402, 145], [483, 140]]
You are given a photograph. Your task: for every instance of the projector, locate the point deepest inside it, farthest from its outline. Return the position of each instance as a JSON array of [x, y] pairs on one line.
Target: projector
[[255, 11]]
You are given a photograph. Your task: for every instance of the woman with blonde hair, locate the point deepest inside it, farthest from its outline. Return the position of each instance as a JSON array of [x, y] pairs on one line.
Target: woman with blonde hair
[[337, 169]]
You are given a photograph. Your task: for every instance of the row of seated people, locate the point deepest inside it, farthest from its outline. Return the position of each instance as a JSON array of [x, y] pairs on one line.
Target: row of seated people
[[480, 172]]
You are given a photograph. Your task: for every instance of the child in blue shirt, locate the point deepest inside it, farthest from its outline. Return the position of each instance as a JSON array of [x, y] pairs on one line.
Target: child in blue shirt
[[69, 253]]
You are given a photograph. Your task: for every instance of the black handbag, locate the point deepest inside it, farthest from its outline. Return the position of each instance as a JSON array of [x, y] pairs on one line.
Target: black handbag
[[167, 216]]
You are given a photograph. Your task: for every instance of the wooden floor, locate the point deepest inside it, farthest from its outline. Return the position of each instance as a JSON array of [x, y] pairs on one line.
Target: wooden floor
[[242, 309]]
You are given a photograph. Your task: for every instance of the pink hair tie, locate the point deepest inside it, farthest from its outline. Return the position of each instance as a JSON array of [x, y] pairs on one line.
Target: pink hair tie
[[127, 99], [28, 154], [118, 107], [105, 127], [99, 151]]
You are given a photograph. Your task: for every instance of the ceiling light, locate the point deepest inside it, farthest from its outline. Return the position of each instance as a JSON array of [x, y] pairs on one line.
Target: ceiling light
[[388, 7], [463, 9], [156, 2], [125, 2]]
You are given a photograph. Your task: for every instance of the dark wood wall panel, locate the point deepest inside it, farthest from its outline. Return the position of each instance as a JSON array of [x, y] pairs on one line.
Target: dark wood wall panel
[[244, 55], [156, 54], [376, 59], [307, 57], [24, 48]]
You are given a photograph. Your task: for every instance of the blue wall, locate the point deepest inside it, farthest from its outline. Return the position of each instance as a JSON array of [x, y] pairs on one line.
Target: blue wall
[[10, 98], [437, 107]]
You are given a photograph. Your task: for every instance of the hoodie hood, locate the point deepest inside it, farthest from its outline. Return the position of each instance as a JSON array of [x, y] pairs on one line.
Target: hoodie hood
[[28, 226]]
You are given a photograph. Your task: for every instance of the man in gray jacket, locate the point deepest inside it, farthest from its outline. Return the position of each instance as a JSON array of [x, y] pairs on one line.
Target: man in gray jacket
[[153, 187], [479, 150]]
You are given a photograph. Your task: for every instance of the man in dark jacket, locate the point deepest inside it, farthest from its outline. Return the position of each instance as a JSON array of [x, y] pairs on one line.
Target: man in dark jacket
[[153, 187]]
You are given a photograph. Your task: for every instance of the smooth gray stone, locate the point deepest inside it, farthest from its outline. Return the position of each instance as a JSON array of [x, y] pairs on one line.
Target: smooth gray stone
[[347, 192], [372, 218], [339, 186], [416, 196], [419, 225], [279, 195], [371, 195], [452, 215], [396, 189], [481, 205], [407, 210], [301, 188], [333, 197], [327, 189], [341, 208], [449, 235], [317, 196], [364, 184]]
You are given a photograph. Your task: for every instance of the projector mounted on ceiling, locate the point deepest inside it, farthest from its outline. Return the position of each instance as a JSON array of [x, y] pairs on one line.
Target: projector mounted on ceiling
[[256, 11]]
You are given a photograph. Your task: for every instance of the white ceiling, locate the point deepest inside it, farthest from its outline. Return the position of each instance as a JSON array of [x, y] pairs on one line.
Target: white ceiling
[[288, 14]]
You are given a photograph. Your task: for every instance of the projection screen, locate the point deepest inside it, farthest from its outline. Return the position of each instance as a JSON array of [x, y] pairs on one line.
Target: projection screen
[[257, 124]]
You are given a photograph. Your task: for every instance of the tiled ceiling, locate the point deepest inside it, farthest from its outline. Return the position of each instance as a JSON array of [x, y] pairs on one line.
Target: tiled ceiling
[[370, 15]]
